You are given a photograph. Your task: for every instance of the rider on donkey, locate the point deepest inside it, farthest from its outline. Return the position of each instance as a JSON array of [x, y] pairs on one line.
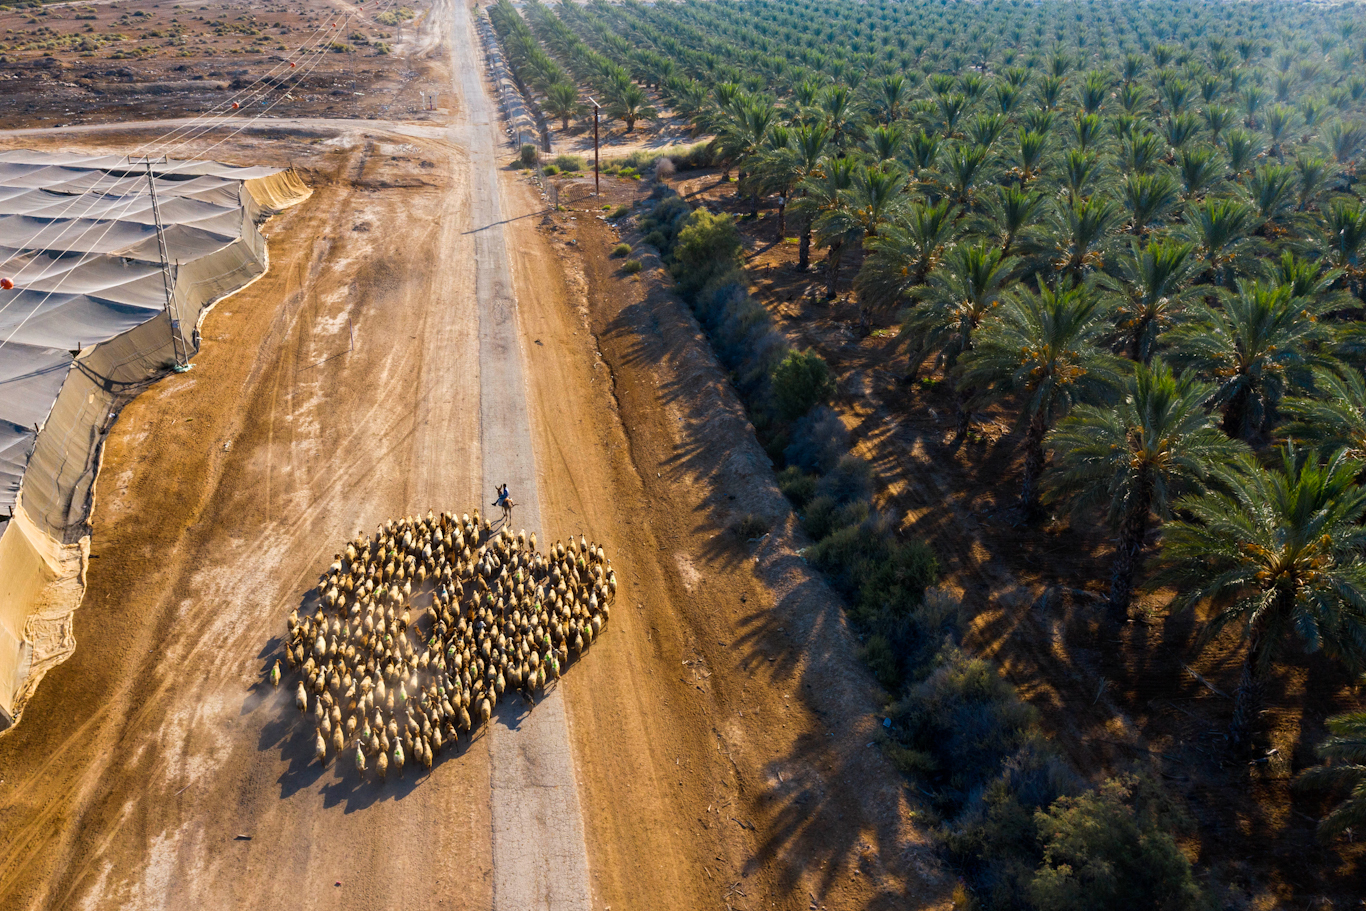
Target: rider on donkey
[[505, 501]]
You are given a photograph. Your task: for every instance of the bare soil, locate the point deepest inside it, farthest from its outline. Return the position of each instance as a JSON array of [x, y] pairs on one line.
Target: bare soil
[[76, 63], [1035, 592]]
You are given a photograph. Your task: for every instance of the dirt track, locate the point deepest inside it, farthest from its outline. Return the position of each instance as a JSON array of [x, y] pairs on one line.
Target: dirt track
[[717, 734]]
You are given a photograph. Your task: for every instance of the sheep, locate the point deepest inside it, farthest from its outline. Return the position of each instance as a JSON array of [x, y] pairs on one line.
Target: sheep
[[320, 750], [382, 765], [502, 617]]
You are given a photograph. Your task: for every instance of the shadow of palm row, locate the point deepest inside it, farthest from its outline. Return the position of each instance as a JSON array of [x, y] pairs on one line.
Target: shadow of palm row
[[1007, 810]]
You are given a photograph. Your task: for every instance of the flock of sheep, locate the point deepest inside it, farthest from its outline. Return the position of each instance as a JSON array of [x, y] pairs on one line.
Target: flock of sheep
[[420, 630]]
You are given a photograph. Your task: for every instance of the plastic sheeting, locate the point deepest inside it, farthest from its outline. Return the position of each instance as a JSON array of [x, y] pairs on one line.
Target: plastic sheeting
[[84, 329]]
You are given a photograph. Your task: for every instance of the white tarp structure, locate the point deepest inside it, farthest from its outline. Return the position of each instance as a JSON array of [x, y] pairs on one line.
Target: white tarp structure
[[84, 329]]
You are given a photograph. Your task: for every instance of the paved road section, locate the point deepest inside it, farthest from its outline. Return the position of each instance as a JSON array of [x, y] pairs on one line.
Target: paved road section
[[539, 857]]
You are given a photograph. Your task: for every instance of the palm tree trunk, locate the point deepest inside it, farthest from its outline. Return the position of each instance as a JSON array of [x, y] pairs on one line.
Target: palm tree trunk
[[832, 269], [1236, 412], [1033, 462], [1129, 555], [804, 251], [1247, 703], [964, 414], [782, 217], [754, 205], [1136, 342]]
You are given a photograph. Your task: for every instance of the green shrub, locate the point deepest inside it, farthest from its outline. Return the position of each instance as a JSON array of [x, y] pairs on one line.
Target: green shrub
[[897, 580], [798, 486], [996, 841], [568, 162], [708, 245], [528, 155], [967, 720], [801, 380], [664, 222], [821, 517], [631, 267], [881, 660], [1112, 848], [550, 170], [866, 561], [752, 526], [620, 212], [849, 481], [818, 440], [621, 250]]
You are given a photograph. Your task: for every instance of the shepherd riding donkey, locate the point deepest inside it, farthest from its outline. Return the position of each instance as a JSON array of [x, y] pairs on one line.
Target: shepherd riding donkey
[[506, 503]]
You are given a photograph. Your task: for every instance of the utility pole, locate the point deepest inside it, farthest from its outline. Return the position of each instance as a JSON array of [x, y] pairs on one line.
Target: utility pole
[[597, 186], [182, 357]]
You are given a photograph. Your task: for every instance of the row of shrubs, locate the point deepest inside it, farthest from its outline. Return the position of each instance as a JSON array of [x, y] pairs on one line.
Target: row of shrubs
[[1021, 827]]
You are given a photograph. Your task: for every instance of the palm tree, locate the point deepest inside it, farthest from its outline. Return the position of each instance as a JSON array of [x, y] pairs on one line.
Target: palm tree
[[971, 281], [1009, 217], [743, 137], [1251, 348], [1045, 348], [1079, 170], [1135, 458], [1334, 418], [841, 115], [1346, 751], [1151, 285], [965, 165], [1200, 169], [904, 251], [874, 197], [1344, 229], [1271, 189], [890, 95], [818, 194], [1222, 228], [1149, 197], [1279, 554], [781, 168], [1078, 233], [562, 101], [629, 104]]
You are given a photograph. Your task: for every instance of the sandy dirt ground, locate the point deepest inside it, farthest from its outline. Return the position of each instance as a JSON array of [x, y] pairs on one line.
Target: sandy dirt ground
[[719, 735], [135, 59]]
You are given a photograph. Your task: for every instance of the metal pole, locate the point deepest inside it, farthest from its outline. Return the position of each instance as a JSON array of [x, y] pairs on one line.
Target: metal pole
[[177, 343], [597, 185]]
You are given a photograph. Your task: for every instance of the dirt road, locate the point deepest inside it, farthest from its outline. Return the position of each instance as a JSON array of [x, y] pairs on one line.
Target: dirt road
[[711, 751]]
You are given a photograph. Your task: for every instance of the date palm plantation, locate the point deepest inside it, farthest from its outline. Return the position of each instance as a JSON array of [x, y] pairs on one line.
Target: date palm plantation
[[1089, 276], [1279, 556]]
